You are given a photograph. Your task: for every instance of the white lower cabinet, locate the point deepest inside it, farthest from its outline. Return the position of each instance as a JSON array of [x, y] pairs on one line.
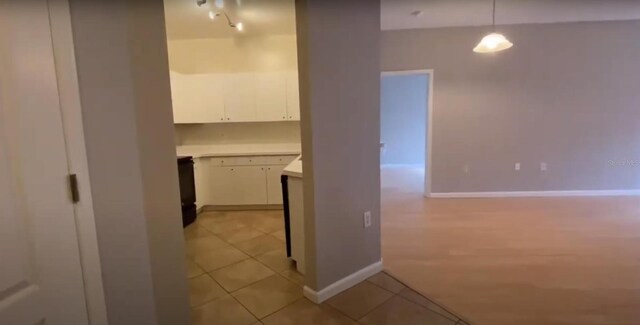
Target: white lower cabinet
[[274, 185], [249, 180]]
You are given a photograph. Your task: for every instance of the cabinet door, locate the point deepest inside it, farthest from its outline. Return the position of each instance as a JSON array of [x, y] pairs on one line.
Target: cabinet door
[[293, 96], [274, 187], [238, 185], [239, 99], [251, 182], [201, 175], [220, 181], [271, 97], [206, 97], [179, 98]]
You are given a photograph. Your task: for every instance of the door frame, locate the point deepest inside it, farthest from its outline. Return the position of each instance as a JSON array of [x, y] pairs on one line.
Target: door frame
[[71, 111], [429, 132]]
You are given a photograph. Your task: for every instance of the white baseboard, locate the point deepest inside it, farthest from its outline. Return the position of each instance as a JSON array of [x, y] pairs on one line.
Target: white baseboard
[[535, 194], [342, 284]]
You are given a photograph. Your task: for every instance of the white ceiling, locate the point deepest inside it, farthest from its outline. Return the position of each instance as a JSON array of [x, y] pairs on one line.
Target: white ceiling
[[185, 20], [396, 14]]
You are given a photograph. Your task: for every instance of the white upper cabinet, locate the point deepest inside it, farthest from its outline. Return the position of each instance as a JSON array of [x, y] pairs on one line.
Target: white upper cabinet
[[206, 97], [235, 97], [271, 100], [293, 96], [197, 98], [240, 97], [179, 96]]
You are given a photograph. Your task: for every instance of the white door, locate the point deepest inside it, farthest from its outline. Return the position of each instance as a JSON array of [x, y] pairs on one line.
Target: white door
[[271, 96], [293, 96], [40, 272], [239, 98]]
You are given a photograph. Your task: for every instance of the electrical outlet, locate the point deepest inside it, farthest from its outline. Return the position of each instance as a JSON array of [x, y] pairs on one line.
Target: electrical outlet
[[517, 166], [466, 169], [543, 166], [367, 219]]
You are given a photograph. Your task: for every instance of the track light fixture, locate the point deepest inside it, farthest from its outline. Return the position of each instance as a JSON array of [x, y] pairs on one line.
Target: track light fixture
[[213, 14]]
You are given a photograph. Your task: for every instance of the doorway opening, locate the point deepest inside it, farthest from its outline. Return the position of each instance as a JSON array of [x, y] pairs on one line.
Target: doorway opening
[[405, 130]]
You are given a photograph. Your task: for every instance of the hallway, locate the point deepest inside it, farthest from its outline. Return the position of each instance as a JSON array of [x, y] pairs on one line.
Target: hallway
[[525, 261]]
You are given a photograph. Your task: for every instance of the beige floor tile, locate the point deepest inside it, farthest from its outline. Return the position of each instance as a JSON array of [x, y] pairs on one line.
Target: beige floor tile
[[223, 311], [260, 245], [194, 231], [236, 276], [305, 312], [280, 234], [240, 235], [212, 216], [276, 260], [266, 221], [360, 299], [202, 245], [221, 227], [293, 276], [417, 298], [203, 289], [401, 311], [219, 258], [193, 269], [268, 295], [386, 282]]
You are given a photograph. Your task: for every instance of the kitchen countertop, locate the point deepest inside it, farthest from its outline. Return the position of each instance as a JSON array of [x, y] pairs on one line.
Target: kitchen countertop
[[294, 169], [234, 150]]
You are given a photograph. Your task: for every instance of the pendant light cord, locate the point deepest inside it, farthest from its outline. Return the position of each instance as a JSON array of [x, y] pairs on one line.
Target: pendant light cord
[[494, 16]]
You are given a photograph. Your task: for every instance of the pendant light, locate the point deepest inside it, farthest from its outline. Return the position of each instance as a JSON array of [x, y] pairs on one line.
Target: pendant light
[[493, 42]]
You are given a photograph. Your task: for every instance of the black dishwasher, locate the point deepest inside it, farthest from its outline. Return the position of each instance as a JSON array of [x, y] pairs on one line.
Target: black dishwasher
[[187, 190]]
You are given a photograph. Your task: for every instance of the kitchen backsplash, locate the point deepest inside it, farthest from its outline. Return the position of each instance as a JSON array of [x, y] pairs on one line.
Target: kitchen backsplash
[[237, 133]]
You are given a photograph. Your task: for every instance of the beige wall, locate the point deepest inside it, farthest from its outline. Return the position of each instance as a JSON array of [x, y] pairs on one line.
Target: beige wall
[[229, 55], [123, 78], [338, 53], [565, 94]]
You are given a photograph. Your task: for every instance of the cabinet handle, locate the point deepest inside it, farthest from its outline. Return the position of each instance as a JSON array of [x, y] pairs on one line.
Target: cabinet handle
[[284, 117], [290, 117], [228, 118], [222, 119]]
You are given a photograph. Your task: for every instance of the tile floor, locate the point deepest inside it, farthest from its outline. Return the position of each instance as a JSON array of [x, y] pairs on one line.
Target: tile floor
[[239, 275]]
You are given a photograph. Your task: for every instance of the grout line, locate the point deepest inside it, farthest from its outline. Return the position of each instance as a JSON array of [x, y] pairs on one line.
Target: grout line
[[283, 307], [375, 307], [245, 308], [457, 319], [429, 299]]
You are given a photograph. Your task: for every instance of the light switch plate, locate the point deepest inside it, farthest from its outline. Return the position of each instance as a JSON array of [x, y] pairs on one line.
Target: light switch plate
[[367, 219]]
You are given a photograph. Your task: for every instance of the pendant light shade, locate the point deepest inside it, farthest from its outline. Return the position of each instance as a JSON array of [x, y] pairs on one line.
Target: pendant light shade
[[493, 42]]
